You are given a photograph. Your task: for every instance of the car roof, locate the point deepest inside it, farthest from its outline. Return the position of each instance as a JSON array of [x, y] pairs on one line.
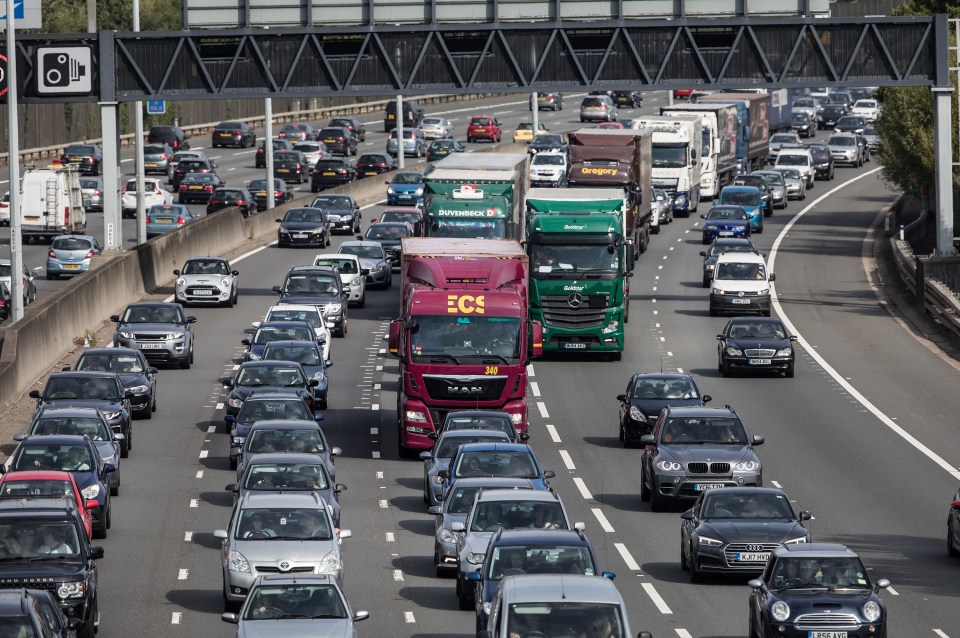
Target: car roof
[[289, 306], [818, 550], [347, 256], [363, 242], [36, 475], [286, 500], [540, 537], [90, 374], [57, 439], [492, 482], [209, 258], [748, 491], [272, 395], [699, 411], [127, 351], [498, 447], [152, 304], [741, 258], [469, 434], [755, 320], [269, 362], [740, 189], [479, 413], [320, 269], [298, 579], [285, 424], [662, 375], [287, 457], [728, 241], [67, 411], [545, 588], [297, 323], [543, 496]]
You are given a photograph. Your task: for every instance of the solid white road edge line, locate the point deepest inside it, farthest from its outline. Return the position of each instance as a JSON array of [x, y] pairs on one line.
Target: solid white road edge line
[[775, 301]]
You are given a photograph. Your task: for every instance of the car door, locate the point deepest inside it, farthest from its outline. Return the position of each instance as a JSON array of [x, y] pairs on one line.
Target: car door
[[625, 401]]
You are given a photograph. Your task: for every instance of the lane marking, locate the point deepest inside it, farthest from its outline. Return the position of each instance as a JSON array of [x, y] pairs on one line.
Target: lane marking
[[554, 435], [374, 430], [219, 407], [627, 557], [204, 453], [398, 575], [843, 383], [383, 504], [567, 460], [188, 537], [212, 429], [380, 475], [375, 454], [375, 406], [408, 617], [893, 591], [176, 617], [543, 409], [604, 523], [182, 574], [390, 537], [582, 487], [656, 598], [535, 388], [194, 502], [199, 473], [940, 633], [683, 633], [530, 372]]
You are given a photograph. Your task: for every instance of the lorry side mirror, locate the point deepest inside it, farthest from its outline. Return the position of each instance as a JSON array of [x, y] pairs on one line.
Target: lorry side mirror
[[536, 339], [393, 340]]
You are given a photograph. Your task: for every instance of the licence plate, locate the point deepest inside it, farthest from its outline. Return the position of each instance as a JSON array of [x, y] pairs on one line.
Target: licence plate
[[753, 557], [32, 217], [741, 301], [703, 487], [196, 188], [367, 173], [575, 346], [329, 141], [826, 634], [725, 233], [201, 293], [262, 194], [758, 362], [150, 164], [71, 266], [300, 235], [150, 346], [164, 220], [390, 116], [283, 170], [76, 159], [328, 173]]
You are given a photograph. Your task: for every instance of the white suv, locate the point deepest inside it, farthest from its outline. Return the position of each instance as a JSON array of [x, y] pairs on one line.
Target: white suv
[[154, 192], [741, 284], [548, 169], [798, 158]]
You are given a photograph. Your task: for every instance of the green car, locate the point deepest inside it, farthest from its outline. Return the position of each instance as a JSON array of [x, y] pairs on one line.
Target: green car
[[441, 148]]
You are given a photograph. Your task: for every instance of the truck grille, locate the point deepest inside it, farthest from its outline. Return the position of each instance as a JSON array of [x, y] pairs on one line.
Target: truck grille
[[563, 311], [712, 468], [824, 621], [669, 186], [466, 388], [759, 352]]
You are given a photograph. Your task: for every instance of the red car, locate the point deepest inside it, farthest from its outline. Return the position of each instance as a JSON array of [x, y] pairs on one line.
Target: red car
[[484, 127], [682, 94], [610, 125], [48, 484]]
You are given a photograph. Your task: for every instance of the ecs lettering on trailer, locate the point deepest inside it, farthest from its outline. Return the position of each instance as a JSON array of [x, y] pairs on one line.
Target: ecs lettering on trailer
[[465, 304]]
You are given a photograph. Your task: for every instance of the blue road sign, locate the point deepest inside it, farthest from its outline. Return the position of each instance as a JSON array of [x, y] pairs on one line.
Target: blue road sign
[[26, 13], [156, 107]]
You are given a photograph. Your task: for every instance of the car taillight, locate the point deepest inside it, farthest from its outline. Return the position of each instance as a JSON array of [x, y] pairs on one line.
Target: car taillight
[[148, 219], [277, 194], [240, 202], [208, 187], [340, 139], [52, 255], [96, 192], [89, 255], [181, 221], [163, 156], [260, 150], [341, 171], [183, 187], [202, 170], [123, 190], [299, 167], [383, 164]]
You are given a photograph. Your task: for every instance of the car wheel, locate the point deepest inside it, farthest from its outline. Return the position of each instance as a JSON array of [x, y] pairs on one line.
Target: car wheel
[[115, 489], [124, 448], [621, 436], [644, 489], [706, 282], [759, 230], [52, 276], [229, 605], [655, 230], [390, 280], [463, 603], [752, 627], [683, 557], [233, 462], [148, 413], [803, 194], [109, 517], [100, 531], [363, 300], [185, 363], [720, 367], [713, 312], [952, 550], [789, 372], [657, 502], [89, 628]]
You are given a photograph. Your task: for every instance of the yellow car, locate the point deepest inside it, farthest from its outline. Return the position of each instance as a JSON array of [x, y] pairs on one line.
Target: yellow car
[[524, 132]]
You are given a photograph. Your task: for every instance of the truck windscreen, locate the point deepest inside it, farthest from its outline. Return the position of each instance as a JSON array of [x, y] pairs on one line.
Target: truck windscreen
[[469, 228], [673, 156], [454, 338], [571, 261]]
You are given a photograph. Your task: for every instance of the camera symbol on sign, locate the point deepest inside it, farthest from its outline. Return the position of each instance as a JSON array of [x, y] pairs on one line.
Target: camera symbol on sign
[[64, 70], [60, 69]]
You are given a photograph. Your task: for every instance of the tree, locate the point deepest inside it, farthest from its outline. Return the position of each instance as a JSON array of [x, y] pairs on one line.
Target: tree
[[70, 16]]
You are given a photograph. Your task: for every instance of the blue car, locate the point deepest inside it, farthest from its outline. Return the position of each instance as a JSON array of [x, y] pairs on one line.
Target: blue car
[[508, 460], [71, 255], [77, 455], [162, 218], [725, 221], [749, 199], [531, 551], [269, 331], [406, 187]]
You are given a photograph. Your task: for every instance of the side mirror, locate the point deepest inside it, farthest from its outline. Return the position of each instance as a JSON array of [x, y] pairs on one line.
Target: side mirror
[[474, 576], [220, 533], [232, 488], [436, 510], [648, 439], [805, 516], [426, 455], [580, 526], [524, 436], [279, 221], [393, 340], [313, 383], [344, 295], [703, 253], [703, 217], [277, 290], [359, 237], [191, 320], [109, 468], [19, 436], [549, 474], [345, 533], [128, 395], [719, 337], [773, 276], [335, 451], [688, 515], [755, 583], [91, 504], [457, 526], [707, 398], [115, 318], [361, 615], [757, 439], [235, 273], [433, 436], [609, 575], [444, 474], [96, 552], [883, 583], [792, 337], [318, 418], [117, 436], [621, 397], [245, 342], [34, 394], [329, 362], [339, 487], [153, 370], [229, 617], [176, 272]]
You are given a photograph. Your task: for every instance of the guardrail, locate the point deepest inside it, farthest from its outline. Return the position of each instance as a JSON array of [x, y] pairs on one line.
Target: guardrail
[[29, 154]]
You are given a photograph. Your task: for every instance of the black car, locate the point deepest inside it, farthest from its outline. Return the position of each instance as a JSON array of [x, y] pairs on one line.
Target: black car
[[258, 188], [276, 330], [628, 99], [233, 134], [803, 124], [138, 377], [316, 286], [695, 449], [850, 124], [265, 378], [766, 200], [172, 136], [192, 165], [342, 212], [412, 114], [648, 393], [88, 158], [829, 115], [390, 235], [339, 140], [841, 98], [257, 406], [354, 125], [375, 164], [297, 132], [755, 344], [547, 143], [309, 354], [303, 227], [198, 187], [810, 589], [67, 602], [412, 215], [103, 390], [481, 420], [6, 302], [736, 529], [278, 145], [719, 246], [822, 161], [953, 527], [332, 172], [226, 197], [290, 166]]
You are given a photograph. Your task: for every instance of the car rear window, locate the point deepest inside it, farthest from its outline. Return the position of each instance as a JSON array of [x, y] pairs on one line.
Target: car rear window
[[229, 126], [329, 165], [71, 243], [480, 121]]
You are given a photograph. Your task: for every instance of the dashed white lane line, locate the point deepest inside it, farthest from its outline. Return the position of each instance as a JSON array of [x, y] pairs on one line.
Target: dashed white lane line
[[375, 454], [535, 388], [554, 435], [374, 430], [893, 592], [567, 460], [530, 372], [390, 538], [188, 537], [776, 485], [543, 409], [939, 632], [176, 617], [398, 575], [183, 574], [204, 453], [669, 354], [199, 473], [219, 407], [627, 557], [656, 598], [380, 475], [582, 487], [680, 370], [375, 407], [682, 633], [383, 504], [194, 502], [604, 523], [212, 429], [408, 617]]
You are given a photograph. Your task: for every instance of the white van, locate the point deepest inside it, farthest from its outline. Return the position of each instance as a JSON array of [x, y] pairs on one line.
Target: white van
[[51, 203], [798, 158], [741, 285]]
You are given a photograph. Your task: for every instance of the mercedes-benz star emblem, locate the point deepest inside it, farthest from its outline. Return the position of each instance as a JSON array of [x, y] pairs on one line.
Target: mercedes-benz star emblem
[[575, 300]]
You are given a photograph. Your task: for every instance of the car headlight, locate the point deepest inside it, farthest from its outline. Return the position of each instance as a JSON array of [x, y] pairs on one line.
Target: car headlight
[[234, 402], [447, 536], [238, 563], [181, 282], [516, 418], [317, 231], [475, 558], [680, 199], [126, 335], [871, 611], [91, 492], [318, 375], [334, 307], [784, 352], [796, 541], [669, 466], [780, 611], [381, 265], [637, 414], [75, 590], [238, 440], [111, 415], [746, 466], [611, 327], [224, 283], [139, 389], [711, 266], [419, 191], [734, 352], [709, 226], [763, 291], [346, 217], [253, 356], [331, 562], [718, 291], [416, 416], [390, 190], [709, 542]]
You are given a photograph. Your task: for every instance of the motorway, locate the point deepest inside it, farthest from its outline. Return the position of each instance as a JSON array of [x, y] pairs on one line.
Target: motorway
[[862, 437]]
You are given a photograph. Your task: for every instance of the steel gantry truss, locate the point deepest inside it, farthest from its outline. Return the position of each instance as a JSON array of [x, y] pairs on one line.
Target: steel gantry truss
[[420, 59]]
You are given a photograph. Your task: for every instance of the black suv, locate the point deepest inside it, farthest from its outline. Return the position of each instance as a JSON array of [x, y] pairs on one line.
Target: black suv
[[60, 559], [339, 140], [628, 99], [103, 390], [412, 114], [290, 166], [334, 171], [173, 136], [316, 286], [356, 127], [278, 145], [192, 165], [822, 161], [227, 197], [37, 611]]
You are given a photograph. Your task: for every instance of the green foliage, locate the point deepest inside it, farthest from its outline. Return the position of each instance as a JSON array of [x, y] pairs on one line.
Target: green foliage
[[70, 16]]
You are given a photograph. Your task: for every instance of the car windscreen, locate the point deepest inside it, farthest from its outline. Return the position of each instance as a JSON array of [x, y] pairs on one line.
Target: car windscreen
[[720, 248], [583, 618], [450, 339], [783, 138], [332, 201], [310, 284], [89, 182], [366, 252], [477, 422], [279, 375], [37, 542], [407, 178], [817, 572], [55, 456], [552, 140], [13, 487], [260, 409], [411, 218], [509, 560], [153, 314], [282, 314], [265, 440], [378, 231], [90, 426], [286, 601], [304, 216], [793, 159], [509, 463], [283, 524], [723, 505], [748, 271], [665, 388], [286, 476], [201, 267], [308, 355], [727, 213], [842, 141], [700, 430], [85, 388], [517, 514], [548, 159], [289, 332], [122, 363], [447, 446]]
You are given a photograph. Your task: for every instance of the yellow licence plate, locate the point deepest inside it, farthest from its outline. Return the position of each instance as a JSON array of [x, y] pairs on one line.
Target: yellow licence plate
[[283, 170], [71, 266], [328, 173], [196, 188], [391, 116], [368, 173], [76, 159], [262, 194], [329, 141], [151, 165]]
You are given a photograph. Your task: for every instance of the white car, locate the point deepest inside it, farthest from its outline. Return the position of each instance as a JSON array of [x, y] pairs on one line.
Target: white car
[[154, 192], [351, 277], [312, 152], [868, 109], [436, 128], [206, 280], [548, 169], [310, 314], [5, 210], [809, 105], [800, 159]]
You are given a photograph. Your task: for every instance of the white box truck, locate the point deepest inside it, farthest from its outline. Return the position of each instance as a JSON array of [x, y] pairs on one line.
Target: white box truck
[[677, 141], [51, 203]]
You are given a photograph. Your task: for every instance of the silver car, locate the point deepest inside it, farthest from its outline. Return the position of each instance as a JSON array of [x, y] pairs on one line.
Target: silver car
[[350, 277], [158, 159], [845, 149], [795, 183], [286, 435], [207, 280], [598, 108], [373, 261], [435, 128], [443, 452], [873, 138], [776, 187], [779, 139], [29, 287], [284, 605], [266, 536], [662, 207], [91, 190], [159, 330]]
